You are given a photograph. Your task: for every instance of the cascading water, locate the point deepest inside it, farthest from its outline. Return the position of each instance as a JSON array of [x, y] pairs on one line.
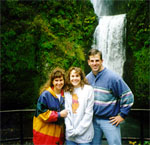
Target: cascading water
[[109, 36]]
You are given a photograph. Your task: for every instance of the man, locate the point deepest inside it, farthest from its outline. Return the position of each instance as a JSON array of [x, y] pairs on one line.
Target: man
[[113, 100]]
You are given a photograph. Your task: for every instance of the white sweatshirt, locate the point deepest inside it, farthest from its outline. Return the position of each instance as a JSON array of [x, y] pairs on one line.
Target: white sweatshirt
[[79, 126]]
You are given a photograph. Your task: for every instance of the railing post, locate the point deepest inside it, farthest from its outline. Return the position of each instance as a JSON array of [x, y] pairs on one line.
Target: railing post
[[21, 127], [141, 128]]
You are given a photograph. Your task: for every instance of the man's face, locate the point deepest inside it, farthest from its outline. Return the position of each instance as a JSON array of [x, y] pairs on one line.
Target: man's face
[[95, 63]]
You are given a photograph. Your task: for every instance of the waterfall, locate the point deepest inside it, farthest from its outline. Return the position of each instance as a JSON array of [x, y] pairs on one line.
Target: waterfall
[[109, 36]]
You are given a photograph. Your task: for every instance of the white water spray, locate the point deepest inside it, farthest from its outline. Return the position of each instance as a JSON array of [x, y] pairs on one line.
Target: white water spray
[[109, 37]]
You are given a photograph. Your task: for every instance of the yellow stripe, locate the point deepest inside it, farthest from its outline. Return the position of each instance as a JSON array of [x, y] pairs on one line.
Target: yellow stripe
[[46, 128], [45, 116], [52, 92]]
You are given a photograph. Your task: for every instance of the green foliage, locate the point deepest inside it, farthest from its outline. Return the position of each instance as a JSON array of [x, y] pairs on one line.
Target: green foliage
[[145, 143], [135, 142], [138, 43], [36, 37]]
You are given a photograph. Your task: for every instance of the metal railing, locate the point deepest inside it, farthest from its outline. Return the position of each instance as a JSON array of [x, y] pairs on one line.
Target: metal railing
[[142, 138], [21, 138], [21, 113]]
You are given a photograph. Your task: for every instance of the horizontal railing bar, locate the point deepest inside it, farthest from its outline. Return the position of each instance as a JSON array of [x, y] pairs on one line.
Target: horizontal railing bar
[[123, 138], [134, 138], [11, 139], [32, 110], [21, 110], [16, 139], [136, 109]]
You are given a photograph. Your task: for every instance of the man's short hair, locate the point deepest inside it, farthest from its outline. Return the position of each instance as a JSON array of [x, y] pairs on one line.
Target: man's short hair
[[94, 51]]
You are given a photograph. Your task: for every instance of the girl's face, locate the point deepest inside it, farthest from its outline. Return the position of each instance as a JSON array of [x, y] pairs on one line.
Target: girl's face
[[75, 79], [58, 83]]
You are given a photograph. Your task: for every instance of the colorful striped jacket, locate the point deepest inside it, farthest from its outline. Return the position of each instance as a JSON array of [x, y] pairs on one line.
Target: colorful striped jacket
[[48, 126], [112, 96]]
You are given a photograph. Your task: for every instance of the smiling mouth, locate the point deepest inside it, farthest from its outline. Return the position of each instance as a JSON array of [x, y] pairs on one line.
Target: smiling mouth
[[60, 86], [75, 82]]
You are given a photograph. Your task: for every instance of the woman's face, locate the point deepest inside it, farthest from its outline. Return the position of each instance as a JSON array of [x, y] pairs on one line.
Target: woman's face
[[75, 79], [58, 83]]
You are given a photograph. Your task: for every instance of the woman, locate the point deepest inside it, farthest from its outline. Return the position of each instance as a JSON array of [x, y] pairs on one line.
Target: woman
[[48, 124], [79, 101]]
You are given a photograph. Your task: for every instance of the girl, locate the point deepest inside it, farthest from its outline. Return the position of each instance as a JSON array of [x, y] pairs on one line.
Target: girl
[[48, 125], [79, 100]]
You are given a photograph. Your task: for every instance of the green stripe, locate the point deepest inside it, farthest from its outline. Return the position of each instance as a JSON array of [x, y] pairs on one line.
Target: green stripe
[[41, 108]]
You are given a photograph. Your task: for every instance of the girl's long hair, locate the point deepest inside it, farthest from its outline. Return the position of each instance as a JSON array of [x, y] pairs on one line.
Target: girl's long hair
[[56, 73], [68, 86]]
